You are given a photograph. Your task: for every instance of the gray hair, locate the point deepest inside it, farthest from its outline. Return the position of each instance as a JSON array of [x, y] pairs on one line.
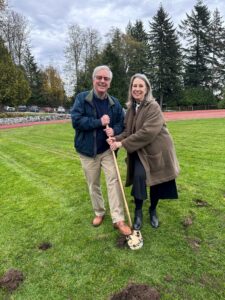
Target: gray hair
[[103, 67], [148, 97]]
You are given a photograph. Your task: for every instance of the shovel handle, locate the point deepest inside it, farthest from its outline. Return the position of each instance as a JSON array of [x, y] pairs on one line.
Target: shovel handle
[[121, 187], [122, 190]]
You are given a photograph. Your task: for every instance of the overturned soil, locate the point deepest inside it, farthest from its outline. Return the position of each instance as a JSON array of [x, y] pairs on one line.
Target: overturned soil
[[122, 242], [11, 280], [45, 246], [137, 292], [187, 221], [201, 203]]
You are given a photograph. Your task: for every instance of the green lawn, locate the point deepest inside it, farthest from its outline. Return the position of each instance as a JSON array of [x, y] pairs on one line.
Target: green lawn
[[44, 198]]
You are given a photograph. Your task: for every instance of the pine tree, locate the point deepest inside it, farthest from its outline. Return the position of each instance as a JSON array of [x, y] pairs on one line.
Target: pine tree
[[217, 62], [34, 78], [112, 57], [14, 88], [165, 58], [195, 32], [138, 62]]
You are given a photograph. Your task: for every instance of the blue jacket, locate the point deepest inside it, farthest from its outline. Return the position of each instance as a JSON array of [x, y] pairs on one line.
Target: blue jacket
[[85, 122]]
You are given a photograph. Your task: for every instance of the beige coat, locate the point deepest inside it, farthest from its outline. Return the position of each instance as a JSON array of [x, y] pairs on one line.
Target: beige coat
[[146, 133]]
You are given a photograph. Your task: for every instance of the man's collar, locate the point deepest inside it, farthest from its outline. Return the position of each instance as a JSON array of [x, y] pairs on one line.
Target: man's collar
[[99, 96]]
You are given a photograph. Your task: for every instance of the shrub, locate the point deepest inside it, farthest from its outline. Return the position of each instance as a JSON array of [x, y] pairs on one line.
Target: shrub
[[197, 96]]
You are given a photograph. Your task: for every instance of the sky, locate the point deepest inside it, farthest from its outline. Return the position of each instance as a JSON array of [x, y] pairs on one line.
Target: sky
[[49, 20]]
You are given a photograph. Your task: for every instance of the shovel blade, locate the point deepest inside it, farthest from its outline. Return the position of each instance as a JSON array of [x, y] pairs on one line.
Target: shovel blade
[[135, 240]]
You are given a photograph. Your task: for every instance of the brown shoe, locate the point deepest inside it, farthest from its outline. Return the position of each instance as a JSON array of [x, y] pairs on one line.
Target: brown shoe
[[97, 221], [123, 228]]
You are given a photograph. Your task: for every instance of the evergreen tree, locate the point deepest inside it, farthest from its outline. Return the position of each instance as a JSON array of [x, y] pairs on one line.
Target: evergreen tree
[[217, 61], [14, 88], [34, 78], [195, 32], [138, 61], [112, 58], [165, 58], [22, 88]]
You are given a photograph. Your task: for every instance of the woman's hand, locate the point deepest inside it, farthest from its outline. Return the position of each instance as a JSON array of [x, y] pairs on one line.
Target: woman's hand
[[115, 145], [110, 140]]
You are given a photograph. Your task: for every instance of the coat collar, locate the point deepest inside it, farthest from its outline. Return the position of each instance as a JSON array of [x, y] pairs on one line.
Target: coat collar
[[90, 95]]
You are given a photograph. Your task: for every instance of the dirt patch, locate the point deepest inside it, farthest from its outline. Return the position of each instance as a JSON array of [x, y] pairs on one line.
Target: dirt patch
[[44, 246], [201, 203], [11, 280], [194, 243], [122, 242], [137, 292], [187, 222], [168, 278]]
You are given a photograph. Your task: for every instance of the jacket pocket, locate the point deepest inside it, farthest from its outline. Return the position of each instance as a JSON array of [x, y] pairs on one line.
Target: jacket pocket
[[156, 161]]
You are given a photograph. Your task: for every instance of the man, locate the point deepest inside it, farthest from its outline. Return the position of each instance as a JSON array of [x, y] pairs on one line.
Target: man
[[95, 116]]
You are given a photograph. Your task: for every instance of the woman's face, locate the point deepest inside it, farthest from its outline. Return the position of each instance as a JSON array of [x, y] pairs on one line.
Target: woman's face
[[138, 89]]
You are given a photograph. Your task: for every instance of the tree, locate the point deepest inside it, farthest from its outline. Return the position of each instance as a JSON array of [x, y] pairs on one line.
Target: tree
[[197, 96], [34, 77], [53, 88], [14, 88], [217, 56], [90, 60], [166, 57], [82, 46], [195, 30], [2, 4], [138, 46], [22, 88], [115, 56], [14, 31]]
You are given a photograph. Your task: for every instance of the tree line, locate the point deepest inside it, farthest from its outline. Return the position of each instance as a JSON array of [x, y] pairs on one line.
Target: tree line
[[21, 80], [185, 64]]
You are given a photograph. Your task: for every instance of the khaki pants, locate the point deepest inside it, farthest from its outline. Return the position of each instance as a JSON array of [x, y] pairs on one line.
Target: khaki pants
[[92, 169]]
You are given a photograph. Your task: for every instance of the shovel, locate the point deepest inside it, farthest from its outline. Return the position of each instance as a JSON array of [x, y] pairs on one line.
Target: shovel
[[134, 240]]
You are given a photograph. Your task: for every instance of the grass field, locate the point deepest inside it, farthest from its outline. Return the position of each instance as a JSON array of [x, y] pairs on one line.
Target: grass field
[[44, 199]]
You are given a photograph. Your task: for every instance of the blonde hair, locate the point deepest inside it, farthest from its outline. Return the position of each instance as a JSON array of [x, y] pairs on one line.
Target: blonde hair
[[148, 97]]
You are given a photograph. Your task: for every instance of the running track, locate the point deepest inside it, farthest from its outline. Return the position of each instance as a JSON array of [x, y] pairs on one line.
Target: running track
[[169, 116]]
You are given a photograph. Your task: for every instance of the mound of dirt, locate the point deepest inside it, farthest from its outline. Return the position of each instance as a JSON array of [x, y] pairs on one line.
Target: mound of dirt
[[11, 280], [122, 242], [201, 203], [187, 221], [45, 246], [137, 292]]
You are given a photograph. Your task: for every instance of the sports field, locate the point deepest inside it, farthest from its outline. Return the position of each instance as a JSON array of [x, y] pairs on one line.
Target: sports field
[[45, 215]]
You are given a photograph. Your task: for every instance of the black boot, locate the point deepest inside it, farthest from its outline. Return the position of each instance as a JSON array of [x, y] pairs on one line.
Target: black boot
[[153, 218], [138, 217]]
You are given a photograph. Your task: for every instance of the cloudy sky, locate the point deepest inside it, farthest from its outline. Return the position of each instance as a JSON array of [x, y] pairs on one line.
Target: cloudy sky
[[49, 19]]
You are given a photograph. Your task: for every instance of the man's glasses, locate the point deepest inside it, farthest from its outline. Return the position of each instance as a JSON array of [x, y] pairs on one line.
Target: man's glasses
[[98, 77]]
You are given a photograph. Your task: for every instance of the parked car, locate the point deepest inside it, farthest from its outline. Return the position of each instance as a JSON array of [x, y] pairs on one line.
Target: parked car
[[9, 108], [34, 108], [48, 109], [61, 110], [22, 108]]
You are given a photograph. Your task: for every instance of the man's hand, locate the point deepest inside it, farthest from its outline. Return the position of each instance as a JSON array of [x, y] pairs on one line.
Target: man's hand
[[109, 131], [105, 120]]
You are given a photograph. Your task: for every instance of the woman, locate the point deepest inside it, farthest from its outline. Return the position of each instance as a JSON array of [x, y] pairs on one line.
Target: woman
[[151, 157]]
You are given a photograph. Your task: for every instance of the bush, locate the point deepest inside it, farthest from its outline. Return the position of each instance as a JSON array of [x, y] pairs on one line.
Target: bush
[[221, 104], [197, 96]]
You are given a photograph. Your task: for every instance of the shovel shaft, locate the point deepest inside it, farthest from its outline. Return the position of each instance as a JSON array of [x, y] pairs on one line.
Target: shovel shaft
[[122, 190]]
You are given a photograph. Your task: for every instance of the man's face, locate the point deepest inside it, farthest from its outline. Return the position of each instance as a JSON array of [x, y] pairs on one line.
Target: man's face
[[101, 82]]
